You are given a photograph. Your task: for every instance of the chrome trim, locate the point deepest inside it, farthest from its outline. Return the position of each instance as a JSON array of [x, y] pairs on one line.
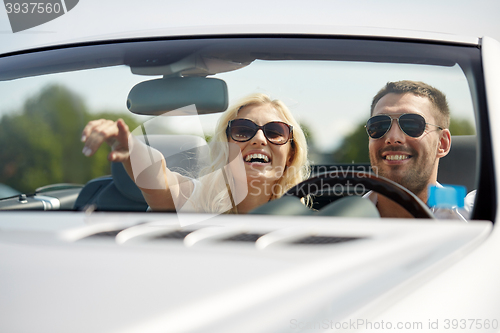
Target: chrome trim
[[49, 203]]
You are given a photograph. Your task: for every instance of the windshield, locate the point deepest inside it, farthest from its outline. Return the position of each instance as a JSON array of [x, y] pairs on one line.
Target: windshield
[[327, 85]]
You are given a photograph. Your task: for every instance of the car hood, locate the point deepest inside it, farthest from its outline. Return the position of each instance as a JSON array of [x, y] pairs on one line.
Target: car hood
[[109, 272]]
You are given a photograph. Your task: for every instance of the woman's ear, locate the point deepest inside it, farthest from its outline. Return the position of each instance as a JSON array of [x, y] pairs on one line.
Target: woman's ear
[[291, 156], [444, 144]]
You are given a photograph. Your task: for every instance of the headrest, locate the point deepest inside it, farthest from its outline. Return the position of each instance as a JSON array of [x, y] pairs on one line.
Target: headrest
[[459, 166], [185, 154]]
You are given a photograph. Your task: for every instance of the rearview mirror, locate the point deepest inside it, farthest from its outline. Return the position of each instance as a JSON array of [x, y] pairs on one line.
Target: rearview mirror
[[156, 97]]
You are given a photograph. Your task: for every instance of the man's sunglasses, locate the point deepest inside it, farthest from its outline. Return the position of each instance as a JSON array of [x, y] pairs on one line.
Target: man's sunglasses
[[276, 132], [411, 124]]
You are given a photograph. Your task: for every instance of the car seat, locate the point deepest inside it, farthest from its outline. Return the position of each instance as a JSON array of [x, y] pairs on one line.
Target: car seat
[[183, 153], [460, 165]]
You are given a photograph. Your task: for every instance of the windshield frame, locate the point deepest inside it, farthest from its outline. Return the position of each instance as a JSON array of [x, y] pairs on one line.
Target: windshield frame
[[376, 49]]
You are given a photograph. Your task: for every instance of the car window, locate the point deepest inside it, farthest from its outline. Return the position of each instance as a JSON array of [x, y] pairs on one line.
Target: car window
[[328, 85]]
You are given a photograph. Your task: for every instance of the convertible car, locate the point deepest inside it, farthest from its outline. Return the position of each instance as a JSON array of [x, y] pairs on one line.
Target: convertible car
[[80, 252]]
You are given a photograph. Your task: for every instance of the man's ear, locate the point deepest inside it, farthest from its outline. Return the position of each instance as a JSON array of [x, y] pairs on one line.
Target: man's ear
[[444, 144]]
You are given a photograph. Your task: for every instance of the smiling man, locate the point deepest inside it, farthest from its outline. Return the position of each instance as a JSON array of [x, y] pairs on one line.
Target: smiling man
[[409, 133]]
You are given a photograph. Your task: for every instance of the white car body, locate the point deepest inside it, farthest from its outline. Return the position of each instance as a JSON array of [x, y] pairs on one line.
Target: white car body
[[400, 275]]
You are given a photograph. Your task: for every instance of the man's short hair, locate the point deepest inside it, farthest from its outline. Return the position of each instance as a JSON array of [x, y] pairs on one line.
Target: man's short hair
[[437, 98]]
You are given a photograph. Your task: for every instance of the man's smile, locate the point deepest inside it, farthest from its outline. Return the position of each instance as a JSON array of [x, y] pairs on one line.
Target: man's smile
[[396, 157]]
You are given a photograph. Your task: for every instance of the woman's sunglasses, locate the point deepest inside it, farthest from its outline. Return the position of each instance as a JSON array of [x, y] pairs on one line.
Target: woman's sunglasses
[[276, 132], [411, 124]]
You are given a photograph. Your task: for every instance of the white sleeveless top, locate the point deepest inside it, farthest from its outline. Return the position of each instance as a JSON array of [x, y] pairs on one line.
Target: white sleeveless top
[[188, 206]]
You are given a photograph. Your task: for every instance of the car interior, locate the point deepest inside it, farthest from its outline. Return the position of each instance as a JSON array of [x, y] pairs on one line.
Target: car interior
[[330, 72]]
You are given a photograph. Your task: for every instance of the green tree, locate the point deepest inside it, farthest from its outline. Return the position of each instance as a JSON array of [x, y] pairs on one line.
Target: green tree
[[41, 142], [461, 127], [307, 133], [354, 147]]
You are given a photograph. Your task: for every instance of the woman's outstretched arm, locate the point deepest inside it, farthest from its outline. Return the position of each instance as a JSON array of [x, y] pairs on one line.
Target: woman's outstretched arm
[[161, 188]]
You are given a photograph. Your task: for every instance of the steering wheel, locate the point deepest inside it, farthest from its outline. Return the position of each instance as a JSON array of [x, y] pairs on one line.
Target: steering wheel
[[384, 186]]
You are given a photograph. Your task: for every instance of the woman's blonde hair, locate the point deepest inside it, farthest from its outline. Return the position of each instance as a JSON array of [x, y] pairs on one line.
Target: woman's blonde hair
[[215, 198]]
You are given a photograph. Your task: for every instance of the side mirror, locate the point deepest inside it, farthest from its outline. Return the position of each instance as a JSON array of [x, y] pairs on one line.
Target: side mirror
[[158, 96]]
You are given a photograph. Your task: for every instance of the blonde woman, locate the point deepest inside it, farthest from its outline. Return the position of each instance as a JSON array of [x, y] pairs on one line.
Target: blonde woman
[[258, 137]]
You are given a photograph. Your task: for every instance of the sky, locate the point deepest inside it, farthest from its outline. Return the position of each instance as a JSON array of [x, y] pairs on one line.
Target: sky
[[91, 18]]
